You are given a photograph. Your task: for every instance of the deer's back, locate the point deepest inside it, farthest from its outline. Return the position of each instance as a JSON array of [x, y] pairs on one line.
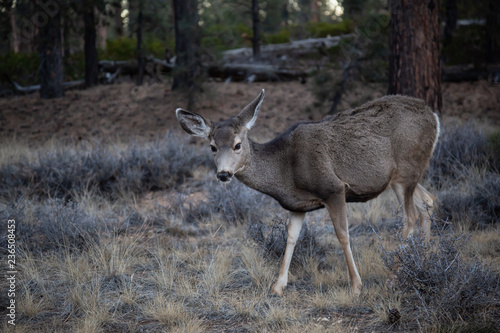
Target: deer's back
[[364, 148]]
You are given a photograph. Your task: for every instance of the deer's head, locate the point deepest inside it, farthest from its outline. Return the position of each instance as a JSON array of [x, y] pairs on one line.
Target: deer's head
[[228, 139]]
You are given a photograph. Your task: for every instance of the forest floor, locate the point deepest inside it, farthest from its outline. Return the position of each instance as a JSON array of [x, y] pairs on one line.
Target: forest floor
[[126, 111], [122, 227]]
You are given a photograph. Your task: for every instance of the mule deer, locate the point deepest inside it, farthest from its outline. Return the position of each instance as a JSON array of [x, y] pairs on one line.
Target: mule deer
[[352, 156]]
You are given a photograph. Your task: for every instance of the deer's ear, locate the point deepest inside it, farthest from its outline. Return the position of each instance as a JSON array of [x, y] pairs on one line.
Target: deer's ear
[[248, 115], [193, 123]]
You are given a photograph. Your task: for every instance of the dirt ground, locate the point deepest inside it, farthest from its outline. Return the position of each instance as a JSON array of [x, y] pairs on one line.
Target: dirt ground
[[126, 112]]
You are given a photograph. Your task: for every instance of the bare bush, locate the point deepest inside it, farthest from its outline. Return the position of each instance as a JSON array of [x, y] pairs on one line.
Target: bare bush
[[478, 203], [439, 287], [272, 239], [233, 203], [459, 149], [465, 173], [51, 225], [106, 171]]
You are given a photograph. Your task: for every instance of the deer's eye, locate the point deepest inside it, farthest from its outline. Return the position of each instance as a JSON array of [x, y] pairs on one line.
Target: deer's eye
[[238, 146], [214, 149]]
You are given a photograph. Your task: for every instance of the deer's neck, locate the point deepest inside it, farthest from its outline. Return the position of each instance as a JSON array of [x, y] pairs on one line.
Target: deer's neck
[[266, 168]]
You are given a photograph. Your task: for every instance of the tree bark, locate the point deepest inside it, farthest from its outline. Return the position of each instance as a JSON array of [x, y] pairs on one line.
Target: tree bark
[[451, 19], [492, 46], [51, 67], [140, 56], [256, 28], [187, 45], [117, 5], [91, 63], [414, 66]]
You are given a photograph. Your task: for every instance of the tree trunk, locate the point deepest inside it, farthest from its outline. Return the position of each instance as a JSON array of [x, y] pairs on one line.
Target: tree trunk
[[285, 14], [414, 66], [304, 12], [91, 63], [187, 45], [140, 57], [51, 67], [451, 19], [117, 5], [314, 11], [492, 47], [8, 27], [256, 28]]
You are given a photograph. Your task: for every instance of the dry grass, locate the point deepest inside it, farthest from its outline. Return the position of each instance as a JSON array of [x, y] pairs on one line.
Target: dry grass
[[200, 257]]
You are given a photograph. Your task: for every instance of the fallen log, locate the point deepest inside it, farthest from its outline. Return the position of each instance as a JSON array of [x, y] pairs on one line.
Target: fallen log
[[255, 72], [470, 73], [126, 67], [298, 47], [130, 67], [22, 90]]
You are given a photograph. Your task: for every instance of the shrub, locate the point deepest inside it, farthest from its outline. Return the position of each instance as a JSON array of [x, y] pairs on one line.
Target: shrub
[[221, 37], [438, 286], [51, 225], [459, 148], [324, 29], [282, 36], [272, 239], [67, 173], [477, 204], [466, 175], [21, 67], [121, 48], [233, 203]]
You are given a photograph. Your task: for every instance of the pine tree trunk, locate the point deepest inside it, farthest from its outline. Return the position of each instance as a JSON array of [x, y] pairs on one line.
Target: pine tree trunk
[[117, 5], [140, 57], [187, 44], [492, 47], [256, 28], [414, 64], [91, 62], [51, 67]]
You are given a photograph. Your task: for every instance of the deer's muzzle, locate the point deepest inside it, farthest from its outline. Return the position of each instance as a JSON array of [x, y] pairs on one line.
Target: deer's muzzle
[[224, 176]]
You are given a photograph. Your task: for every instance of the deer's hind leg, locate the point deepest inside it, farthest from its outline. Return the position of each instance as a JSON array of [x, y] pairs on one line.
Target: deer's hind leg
[[405, 195], [424, 201]]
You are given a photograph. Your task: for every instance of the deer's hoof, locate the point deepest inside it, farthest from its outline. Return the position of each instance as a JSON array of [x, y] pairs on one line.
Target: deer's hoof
[[356, 290], [277, 291]]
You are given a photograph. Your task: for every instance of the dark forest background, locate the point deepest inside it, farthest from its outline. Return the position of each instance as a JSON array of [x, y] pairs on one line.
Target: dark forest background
[[55, 41]]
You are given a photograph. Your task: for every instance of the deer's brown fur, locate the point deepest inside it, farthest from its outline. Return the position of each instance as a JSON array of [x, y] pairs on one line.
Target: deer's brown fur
[[351, 156]]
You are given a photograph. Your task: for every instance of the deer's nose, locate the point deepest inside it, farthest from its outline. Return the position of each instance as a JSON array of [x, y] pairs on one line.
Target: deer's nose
[[224, 176]]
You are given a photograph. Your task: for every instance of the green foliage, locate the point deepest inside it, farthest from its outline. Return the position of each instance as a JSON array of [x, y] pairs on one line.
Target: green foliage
[[156, 47], [125, 48], [74, 66], [20, 67], [282, 36], [23, 67], [122, 48], [312, 29], [323, 29], [221, 37]]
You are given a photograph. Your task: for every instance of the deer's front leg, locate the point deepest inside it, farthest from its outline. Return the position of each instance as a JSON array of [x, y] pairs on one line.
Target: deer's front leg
[[294, 228]]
